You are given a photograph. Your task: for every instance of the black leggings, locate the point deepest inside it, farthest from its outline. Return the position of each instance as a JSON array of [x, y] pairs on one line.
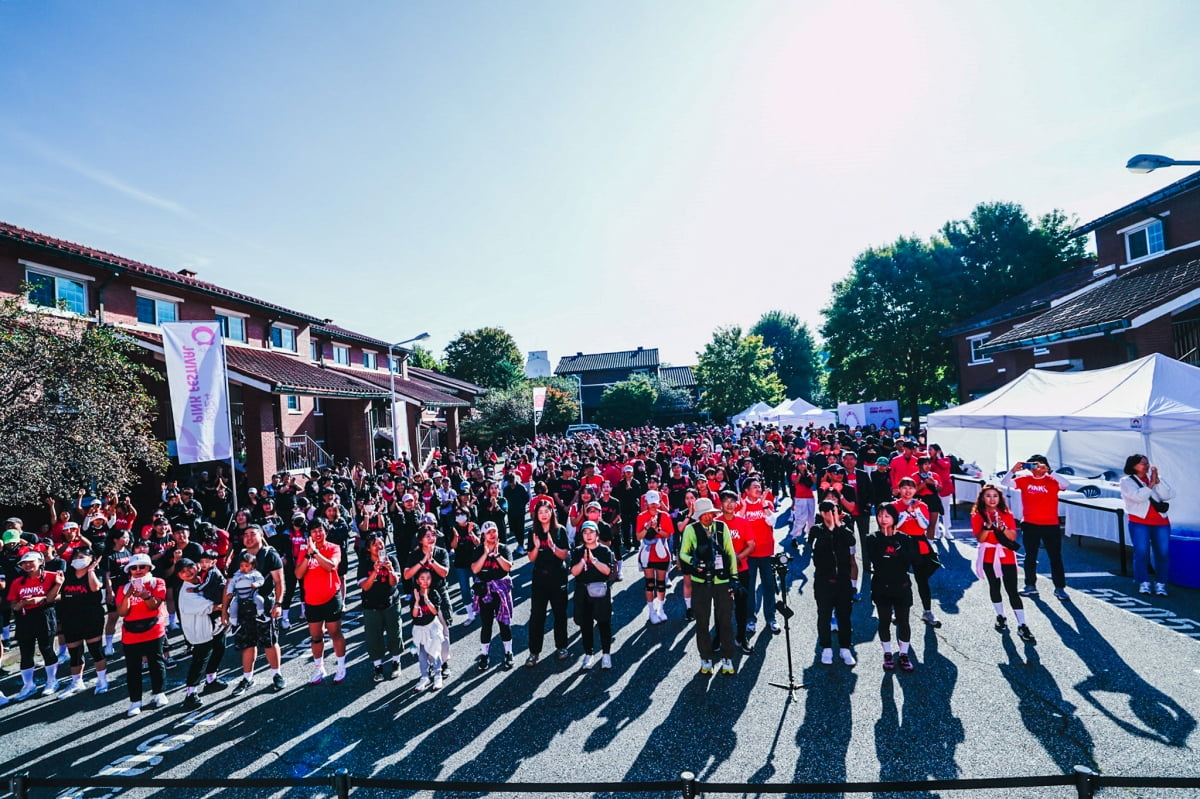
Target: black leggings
[[830, 598], [923, 569], [1008, 573], [290, 583], [206, 659], [487, 614], [556, 598], [153, 652], [594, 612], [889, 608], [35, 632]]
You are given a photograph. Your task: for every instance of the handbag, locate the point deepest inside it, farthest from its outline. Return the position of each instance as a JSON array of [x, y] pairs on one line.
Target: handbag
[[1159, 505], [597, 590]]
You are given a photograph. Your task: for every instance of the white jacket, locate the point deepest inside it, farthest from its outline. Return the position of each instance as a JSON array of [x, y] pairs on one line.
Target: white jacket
[[1137, 495]]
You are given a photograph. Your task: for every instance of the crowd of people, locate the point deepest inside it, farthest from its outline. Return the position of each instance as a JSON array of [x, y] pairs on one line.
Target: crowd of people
[[697, 507]]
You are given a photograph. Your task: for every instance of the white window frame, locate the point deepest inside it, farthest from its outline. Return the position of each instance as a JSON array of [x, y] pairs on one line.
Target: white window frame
[[973, 342], [235, 315], [283, 326], [315, 350], [287, 404], [157, 297], [1139, 228], [339, 351], [371, 355], [317, 409], [58, 274]]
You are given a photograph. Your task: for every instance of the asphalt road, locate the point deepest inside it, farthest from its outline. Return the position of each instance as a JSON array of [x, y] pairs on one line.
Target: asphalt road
[[1113, 683]]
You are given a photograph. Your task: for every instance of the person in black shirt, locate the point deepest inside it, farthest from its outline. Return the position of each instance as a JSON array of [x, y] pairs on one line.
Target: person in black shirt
[[629, 494], [549, 584], [517, 497], [378, 578], [834, 577], [406, 524], [492, 590], [428, 556], [891, 556], [592, 564], [563, 489], [81, 618]]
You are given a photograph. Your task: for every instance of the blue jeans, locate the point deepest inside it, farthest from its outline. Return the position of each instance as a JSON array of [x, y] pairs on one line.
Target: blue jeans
[[762, 569], [465, 576], [1145, 537]]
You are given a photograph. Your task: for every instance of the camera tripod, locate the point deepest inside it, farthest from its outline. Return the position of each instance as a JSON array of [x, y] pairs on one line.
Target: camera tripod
[[782, 608]]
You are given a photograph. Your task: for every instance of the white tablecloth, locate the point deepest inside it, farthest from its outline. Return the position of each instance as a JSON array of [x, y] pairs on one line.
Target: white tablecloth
[[1094, 518]]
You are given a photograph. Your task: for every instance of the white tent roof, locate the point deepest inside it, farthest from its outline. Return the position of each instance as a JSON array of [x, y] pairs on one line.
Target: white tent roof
[[752, 414], [1151, 394], [797, 412]]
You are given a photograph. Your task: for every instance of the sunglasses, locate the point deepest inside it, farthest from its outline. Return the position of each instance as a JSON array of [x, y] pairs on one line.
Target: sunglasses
[[139, 568]]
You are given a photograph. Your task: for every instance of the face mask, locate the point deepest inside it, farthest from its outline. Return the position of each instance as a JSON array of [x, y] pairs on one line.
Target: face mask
[[80, 563], [369, 508], [461, 519]]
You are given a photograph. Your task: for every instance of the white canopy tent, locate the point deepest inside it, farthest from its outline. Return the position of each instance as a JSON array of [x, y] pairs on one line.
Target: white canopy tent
[[798, 412], [1090, 421], [750, 415]]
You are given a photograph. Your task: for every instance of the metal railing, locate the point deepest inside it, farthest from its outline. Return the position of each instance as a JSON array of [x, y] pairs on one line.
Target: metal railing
[[300, 453], [1085, 781]]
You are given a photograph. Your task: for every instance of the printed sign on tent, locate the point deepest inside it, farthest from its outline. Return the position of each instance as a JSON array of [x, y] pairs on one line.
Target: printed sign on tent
[[195, 356]]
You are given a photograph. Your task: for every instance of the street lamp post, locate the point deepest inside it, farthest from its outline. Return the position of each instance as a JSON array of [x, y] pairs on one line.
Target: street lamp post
[[392, 376], [1144, 163], [579, 383]]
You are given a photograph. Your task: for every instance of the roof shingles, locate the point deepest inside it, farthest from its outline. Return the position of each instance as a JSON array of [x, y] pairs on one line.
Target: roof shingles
[[603, 361]]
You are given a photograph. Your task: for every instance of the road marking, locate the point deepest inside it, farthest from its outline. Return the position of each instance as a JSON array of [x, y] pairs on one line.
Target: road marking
[[1147, 611], [1076, 575]]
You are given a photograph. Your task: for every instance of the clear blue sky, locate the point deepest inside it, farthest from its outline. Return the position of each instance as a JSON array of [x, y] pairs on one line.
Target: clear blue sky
[[589, 175]]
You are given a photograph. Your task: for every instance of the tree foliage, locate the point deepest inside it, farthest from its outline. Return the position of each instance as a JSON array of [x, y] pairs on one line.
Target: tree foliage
[[794, 352], [422, 358], [73, 407], [488, 357], [736, 371], [883, 326], [508, 412], [629, 403]]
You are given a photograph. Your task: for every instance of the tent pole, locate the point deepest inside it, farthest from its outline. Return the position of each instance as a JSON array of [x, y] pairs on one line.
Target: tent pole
[[1007, 457]]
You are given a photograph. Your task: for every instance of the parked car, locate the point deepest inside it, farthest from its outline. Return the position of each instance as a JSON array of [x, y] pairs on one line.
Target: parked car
[[586, 429]]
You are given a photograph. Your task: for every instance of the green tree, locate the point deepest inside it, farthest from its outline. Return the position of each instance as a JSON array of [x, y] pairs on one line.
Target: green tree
[[488, 357], [422, 358], [1003, 253], [883, 326], [73, 408], [794, 352], [735, 371], [508, 413], [629, 403]]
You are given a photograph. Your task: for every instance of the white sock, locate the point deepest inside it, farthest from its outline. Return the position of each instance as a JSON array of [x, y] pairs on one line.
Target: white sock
[[132, 705], [904, 647], [171, 619], [1020, 614], [999, 608], [77, 679], [377, 663], [27, 676], [483, 649], [248, 676], [210, 678], [341, 663], [62, 650], [318, 663], [274, 673], [102, 676], [508, 647], [51, 673], [108, 640], [687, 601], [191, 689], [887, 646]]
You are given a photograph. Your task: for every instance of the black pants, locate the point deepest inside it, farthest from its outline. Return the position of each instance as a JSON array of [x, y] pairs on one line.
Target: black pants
[[628, 538], [153, 652], [516, 525], [831, 597], [888, 608], [556, 598], [290, 583], [1008, 574], [206, 659], [487, 615], [35, 632], [709, 598], [863, 523], [594, 613], [1049, 536], [741, 605], [923, 569]]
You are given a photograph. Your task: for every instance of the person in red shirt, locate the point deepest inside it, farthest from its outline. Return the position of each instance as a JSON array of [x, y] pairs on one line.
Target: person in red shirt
[[904, 464], [1039, 489], [31, 597], [996, 557], [756, 510], [141, 604], [321, 587], [743, 546], [1146, 498], [653, 529], [913, 519]]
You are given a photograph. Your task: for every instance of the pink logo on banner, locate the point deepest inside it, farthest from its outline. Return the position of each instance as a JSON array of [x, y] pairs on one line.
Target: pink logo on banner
[[195, 358]]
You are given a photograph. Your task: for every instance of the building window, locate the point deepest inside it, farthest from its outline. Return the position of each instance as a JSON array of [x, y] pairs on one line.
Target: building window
[[318, 410], [283, 338], [976, 343], [293, 403], [314, 351], [394, 364], [370, 359], [232, 327], [153, 311], [47, 290], [1144, 240], [341, 355]]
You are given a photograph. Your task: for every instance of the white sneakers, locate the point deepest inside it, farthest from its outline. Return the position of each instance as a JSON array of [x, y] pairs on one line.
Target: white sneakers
[[827, 656], [27, 690], [423, 684], [1160, 589], [847, 657], [588, 662], [135, 709], [751, 626], [706, 667], [76, 686], [606, 661], [470, 614], [437, 681], [727, 666], [101, 687], [1144, 588], [318, 675], [160, 701]]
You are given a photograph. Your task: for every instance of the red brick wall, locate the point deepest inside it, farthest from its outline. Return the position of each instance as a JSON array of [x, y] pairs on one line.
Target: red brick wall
[[1181, 227]]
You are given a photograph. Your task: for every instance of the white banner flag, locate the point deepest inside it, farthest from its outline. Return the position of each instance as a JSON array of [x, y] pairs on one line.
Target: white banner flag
[[539, 403], [195, 355]]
